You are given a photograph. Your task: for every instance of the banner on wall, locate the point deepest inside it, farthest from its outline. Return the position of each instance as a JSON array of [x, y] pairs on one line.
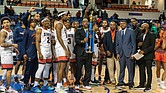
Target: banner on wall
[[135, 14]]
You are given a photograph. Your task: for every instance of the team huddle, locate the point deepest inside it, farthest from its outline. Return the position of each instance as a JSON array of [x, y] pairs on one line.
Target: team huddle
[[49, 48]]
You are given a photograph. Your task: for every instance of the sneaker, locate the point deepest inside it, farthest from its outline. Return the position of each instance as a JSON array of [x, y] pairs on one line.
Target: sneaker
[[16, 79], [48, 88], [162, 85], [11, 90], [58, 90], [77, 87], [2, 88], [87, 87], [140, 87], [113, 82], [147, 89], [62, 91], [35, 89]]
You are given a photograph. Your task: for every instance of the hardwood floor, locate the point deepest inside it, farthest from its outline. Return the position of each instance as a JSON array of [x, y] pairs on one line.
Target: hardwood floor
[[100, 89]]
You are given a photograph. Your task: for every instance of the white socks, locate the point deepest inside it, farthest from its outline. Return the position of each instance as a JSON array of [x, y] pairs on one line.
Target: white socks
[[36, 83], [64, 80], [162, 85], [158, 81], [45, 82], [93, 73]]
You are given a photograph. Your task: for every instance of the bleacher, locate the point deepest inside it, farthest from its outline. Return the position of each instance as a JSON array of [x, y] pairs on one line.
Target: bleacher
[[49, 4], [139, 8]]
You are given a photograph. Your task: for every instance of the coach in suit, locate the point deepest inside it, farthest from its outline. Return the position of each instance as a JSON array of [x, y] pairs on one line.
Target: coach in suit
[[146, 44], [109, 43], [125, 48], [82, 58]]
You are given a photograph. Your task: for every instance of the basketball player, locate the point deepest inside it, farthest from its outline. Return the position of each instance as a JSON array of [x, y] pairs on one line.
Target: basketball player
[[70, 35], [6, 43], [103, 30], [61, 48], [43, 45]]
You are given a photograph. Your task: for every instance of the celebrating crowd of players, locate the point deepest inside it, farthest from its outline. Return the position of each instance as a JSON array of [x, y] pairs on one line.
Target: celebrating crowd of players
[[54, 46]]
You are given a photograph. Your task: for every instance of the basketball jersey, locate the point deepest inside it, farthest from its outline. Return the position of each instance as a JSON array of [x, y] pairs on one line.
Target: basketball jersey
[[70, 36], [8, 40], [45, 38], [64, 37]]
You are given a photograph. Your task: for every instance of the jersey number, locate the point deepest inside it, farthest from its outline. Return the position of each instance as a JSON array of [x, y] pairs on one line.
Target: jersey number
[[48, 39], [69, 40]]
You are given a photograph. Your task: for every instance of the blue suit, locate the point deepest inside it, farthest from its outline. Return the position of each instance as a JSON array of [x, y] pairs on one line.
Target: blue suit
[[125, 48]]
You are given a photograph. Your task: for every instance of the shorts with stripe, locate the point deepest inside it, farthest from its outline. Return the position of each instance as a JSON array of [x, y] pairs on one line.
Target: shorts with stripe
[[47, 56], [61, 55], [7, 61]]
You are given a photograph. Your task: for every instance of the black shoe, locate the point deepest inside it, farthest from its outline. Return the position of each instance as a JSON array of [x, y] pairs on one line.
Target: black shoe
[[119, 84], [99, 79], [16, 79], [147, 89], [140, 87], [131, 86]]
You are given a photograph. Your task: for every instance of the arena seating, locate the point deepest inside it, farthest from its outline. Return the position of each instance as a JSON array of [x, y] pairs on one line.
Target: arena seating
[[49, 4], [140, 8]]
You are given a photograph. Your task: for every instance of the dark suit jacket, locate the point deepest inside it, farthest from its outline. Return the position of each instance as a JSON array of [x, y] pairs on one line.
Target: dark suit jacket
[[148, 45], [128, 45], [79, 48], [108, 44]]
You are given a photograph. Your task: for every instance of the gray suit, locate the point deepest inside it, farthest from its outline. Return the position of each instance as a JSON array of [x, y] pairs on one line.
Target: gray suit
[[125, 47]]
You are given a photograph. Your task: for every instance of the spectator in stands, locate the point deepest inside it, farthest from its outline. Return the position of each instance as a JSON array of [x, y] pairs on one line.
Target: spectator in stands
[[134, 3], [115, 16], [139, 3], [55, 12], [6, 10], [68, 2], [104, 15], [153, 4], [11, 12], [99, 13], [12, 24], [78, 14]]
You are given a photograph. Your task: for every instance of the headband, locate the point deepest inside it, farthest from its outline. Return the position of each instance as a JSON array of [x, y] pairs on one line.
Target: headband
[[45, 19], [62, 14]]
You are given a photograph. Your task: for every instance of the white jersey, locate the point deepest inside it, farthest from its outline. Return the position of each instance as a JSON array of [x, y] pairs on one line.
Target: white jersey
[[8, 40], [45, 38], [70, 36], [64, 37], [102, 31]]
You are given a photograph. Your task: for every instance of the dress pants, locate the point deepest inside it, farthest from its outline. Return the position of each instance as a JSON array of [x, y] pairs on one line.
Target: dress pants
[[86, 60]]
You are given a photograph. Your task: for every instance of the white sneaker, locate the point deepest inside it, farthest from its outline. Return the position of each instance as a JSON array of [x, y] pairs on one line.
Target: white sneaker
[[87, 87], [57, 89], [11, 90], [2, 88], [77, 87], [158, 81], [162, 85], [62, 91]]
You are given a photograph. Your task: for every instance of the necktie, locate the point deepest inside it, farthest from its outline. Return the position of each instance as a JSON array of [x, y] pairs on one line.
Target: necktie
[[122, 35]]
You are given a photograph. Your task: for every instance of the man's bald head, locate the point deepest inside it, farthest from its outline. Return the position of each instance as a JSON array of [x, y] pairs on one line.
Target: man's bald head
[[145, 25]]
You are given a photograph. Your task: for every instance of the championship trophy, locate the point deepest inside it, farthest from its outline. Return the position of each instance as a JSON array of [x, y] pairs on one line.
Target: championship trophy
[[89, 46]]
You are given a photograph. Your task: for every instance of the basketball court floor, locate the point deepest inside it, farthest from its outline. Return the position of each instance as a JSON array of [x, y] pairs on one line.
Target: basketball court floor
[[112, 89]]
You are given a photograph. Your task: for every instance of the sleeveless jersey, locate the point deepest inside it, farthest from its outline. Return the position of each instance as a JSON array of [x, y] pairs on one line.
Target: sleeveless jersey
[[8, 40], [45, 38]]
